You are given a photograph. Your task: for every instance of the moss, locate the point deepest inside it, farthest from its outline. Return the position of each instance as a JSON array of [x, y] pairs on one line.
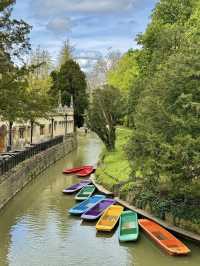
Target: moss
[[114, 166]]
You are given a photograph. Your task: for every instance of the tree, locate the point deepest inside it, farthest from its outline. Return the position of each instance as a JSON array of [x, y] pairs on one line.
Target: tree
[[71, 81], [165, 143], [66, 53], [13, 33], [123, 76], [124, 73], [38, 102], [14, 42], [37, 105], [40, 63], [22, 93], [105, 112], [98, 75], [12, 97]]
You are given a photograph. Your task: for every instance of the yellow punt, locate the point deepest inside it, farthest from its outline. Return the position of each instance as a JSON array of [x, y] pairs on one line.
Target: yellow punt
[[109, 218]]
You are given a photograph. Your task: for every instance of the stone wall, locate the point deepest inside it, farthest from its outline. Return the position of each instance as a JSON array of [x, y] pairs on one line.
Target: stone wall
[[17, 178]]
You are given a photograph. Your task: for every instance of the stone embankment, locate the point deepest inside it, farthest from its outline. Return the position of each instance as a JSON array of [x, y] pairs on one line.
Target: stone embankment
[[13, 181]]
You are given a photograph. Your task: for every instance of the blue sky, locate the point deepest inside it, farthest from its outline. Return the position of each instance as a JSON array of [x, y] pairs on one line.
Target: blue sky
[[93, 26]]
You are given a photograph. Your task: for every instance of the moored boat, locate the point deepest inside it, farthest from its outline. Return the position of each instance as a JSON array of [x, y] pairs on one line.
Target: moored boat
[[85, 172], [96, 211], [76, 187], [109, 218], [85, 192], [128, 226], [163, 238], [77, 169], [87, 204]]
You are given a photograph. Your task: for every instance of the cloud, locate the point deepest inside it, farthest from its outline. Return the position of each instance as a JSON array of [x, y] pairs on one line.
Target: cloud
[[91, 25], [50, 8], [60, 25]]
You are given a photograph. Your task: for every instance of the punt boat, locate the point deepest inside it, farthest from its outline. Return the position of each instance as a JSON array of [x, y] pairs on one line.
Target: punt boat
[[76, 187], [109, 218], [85, 172], [163, 238], [96, 211], [85, 205], [128, 226], [77, 169], [85, 192]]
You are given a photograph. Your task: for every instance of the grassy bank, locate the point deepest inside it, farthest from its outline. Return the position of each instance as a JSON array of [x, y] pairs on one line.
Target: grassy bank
[[114, 166]]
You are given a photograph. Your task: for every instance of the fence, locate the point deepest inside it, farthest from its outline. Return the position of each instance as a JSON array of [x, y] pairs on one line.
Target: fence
[[7, 163]]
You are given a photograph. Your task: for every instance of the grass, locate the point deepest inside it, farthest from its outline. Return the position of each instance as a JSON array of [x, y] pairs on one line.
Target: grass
[[114, 166]]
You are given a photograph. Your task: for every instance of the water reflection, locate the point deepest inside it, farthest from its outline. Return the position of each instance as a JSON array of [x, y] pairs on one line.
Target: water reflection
[[36, 229]]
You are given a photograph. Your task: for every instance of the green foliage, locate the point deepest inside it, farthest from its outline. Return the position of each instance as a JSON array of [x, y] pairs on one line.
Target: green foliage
[[12, 94], [13, 35], [105, 112], [122, 76], [13, 42], [66, 53], [165, 107], [71, 81], [20, 98], [114, 166]]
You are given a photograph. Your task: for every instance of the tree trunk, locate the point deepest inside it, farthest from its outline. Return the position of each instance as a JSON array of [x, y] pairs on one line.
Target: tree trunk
[[111, 139], [32, 123], [52, 124], [10, 136]]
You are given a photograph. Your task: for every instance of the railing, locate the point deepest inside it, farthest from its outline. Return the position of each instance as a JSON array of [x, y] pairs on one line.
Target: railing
[[7, 163]]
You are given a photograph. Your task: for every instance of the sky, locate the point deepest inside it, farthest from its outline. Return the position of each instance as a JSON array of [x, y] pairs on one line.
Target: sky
[[92, 26]]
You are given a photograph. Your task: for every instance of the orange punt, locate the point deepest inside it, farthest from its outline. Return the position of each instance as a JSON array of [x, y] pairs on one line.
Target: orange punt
[[163, 238]]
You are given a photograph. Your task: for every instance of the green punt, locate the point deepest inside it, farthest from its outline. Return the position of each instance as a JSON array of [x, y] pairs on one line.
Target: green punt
[[85, 192], [128, 226]]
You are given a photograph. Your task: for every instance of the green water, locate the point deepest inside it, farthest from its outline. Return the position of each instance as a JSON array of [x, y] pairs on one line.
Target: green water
[[35, 228]]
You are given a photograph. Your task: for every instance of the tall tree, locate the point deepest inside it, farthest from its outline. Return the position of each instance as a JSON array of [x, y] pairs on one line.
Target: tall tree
[[41, 63], [13, 33], [165, 142], [14, 42], [124, 73], [66, 53], [104, 64], [12, 97], [71, 81], [105, 112]]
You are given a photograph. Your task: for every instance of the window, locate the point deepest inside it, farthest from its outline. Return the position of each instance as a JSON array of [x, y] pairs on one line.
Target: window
[[21, 132], [41, 129]]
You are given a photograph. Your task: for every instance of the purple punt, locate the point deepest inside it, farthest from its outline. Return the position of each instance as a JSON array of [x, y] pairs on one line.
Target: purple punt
[[96, 211], [76, 187]]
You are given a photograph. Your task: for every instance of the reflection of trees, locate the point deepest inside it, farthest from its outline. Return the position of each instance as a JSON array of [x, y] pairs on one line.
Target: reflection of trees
[[41, 208]]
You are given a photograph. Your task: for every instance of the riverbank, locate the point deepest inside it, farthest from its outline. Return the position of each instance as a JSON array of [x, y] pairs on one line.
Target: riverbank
[[114, 175], [114, 167]]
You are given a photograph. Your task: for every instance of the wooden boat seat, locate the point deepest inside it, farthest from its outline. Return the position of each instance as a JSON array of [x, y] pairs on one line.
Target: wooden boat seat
[[129, 231], [172, 246], [159, 235], [89, 205], [129, 225], [108, 220], [86, 192]]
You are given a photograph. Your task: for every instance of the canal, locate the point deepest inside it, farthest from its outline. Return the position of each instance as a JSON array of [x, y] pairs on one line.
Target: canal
[[36, 230]]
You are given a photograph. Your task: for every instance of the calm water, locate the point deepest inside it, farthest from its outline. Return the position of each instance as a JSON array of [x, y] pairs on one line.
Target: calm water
[[35, 228]]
